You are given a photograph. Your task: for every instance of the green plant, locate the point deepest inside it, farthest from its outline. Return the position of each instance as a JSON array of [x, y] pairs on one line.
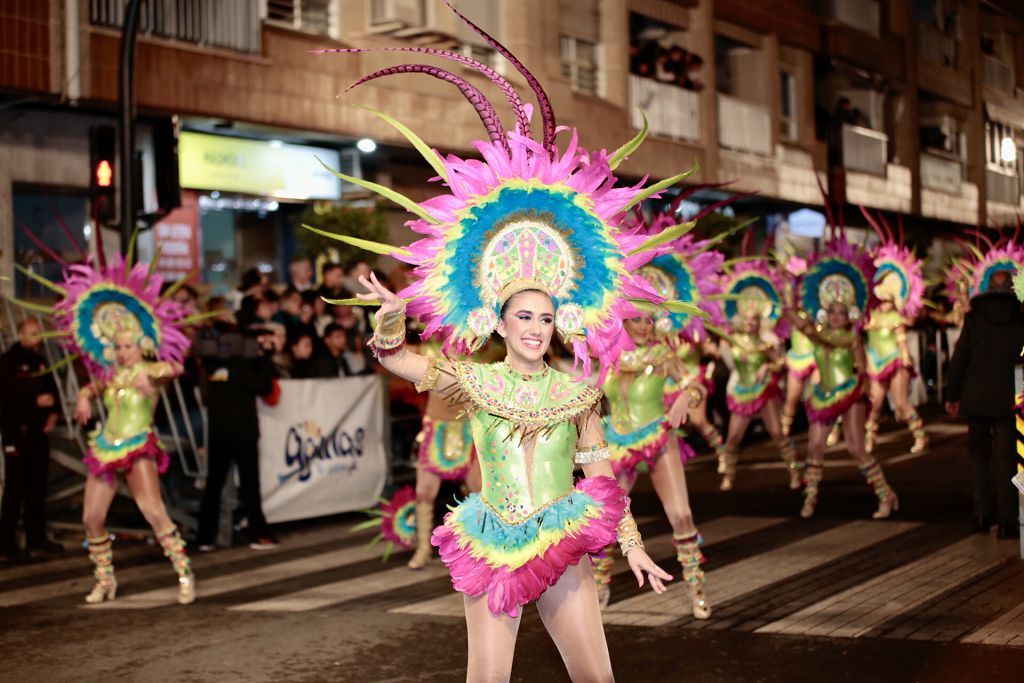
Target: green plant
[[363, 222]]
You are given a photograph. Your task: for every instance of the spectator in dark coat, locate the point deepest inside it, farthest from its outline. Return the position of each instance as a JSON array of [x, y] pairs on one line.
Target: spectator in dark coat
[[233, 386], [981, 387], [28, 413]]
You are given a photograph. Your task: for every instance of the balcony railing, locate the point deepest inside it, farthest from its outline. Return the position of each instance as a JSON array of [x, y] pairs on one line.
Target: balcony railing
[[743, 126], [865, 150], [228, 24], [941, 173], [671, 111], [1002, 187], [860, 14], [996, 74], [936, 46]]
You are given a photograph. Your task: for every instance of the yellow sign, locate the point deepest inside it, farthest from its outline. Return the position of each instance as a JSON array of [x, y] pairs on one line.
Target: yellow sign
[[257, 167]]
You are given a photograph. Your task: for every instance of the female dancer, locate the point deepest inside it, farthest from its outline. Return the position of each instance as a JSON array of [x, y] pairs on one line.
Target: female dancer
[[527, 242], [898, 290], [836, 288], [129, 337], [754, 355], [645, 411], [800, 356], [445, 453], [640, 433]]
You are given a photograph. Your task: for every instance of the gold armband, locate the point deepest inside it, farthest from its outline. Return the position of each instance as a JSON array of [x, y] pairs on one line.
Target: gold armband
[[628, 534], [85, 392], [161, 370], [431, 377], [389, 337]]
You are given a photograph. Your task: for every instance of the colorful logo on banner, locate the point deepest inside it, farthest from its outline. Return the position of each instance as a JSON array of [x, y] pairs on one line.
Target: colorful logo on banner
[[306, 443]]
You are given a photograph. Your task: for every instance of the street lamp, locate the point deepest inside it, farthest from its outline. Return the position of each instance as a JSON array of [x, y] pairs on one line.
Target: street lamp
[[366, 145], [1008, 150]]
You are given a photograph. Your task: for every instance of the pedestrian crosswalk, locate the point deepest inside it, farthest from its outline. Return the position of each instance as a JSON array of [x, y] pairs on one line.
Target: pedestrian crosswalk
[[766, 575]]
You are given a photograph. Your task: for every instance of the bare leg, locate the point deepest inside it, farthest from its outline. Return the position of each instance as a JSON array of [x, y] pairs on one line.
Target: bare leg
[[772, 416], [869, 467], [669, 480], [729, 456], [492, 640], [98, 496], [144, 482], [900, 390], [571, 615], [817, 436], [427, 486], [697, 418], [877, 393], [794, 392]]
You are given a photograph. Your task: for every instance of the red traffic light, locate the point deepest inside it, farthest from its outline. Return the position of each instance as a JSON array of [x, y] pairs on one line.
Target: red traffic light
[[104, 174]]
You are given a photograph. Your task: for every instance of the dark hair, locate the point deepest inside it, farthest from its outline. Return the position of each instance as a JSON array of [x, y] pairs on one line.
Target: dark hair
[[330, 267], [1000, 281], [271, 297], [289, 292], [251, 278], [310, 297], [332, 328], [296, 337], [299, 258], [508, 302]]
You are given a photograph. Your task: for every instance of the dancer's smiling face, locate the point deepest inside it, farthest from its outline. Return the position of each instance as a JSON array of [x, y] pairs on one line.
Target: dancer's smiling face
[[640, 329], [838, 316], [527, 323], [126, 350]]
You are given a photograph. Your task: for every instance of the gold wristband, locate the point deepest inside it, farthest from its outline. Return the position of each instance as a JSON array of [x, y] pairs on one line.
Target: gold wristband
[[390, 332], [628, 534], [86, 393], [431, 377]]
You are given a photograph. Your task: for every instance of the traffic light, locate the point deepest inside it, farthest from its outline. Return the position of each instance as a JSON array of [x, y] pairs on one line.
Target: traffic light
[[103, 172]]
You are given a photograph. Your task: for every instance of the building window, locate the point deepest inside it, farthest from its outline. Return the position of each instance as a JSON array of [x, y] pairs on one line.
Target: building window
[[579, 64], [225, 24], [312, 16], [484, 54], [787, 104], [1000, 147]]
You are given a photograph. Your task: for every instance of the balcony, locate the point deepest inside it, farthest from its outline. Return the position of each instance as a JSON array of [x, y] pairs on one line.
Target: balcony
[[996, 74], [862, 15], [935, 46], [941, 173], [743, 126], [1002, 187], [228, 24], [671, 111], [865, 150]]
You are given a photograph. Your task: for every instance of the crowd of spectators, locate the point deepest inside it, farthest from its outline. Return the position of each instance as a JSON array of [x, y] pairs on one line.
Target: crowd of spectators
[[674, 64]]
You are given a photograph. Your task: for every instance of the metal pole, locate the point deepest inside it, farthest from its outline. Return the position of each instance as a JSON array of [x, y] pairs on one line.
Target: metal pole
[[126, 122]]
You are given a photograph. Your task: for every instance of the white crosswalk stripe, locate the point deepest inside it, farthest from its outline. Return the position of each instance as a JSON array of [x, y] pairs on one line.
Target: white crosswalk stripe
[[903, 602]]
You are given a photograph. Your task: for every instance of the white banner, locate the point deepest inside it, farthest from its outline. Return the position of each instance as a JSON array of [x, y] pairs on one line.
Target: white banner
[[322, 448]]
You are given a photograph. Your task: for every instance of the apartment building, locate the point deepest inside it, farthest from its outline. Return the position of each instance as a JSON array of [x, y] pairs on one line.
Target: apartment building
[[906, 106]]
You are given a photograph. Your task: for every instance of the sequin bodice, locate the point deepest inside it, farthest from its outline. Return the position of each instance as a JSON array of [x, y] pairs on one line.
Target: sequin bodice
[[129, 411], [635, 392], [525, 433], [800, 344], [881, 330], [836, 360], [749, 354]]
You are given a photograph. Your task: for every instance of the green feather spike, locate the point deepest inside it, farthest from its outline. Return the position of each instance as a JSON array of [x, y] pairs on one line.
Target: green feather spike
[[719, 332], [368, 245], [654, 189], [152, 265], [423, 148], [28, 305], [169, 292], [130, 256], [741, 259], [664, 237], [63, 362], [683, 307], [386, 192], [622, 153], [367, 524], [40, 279], [724, 235], [198, 317]]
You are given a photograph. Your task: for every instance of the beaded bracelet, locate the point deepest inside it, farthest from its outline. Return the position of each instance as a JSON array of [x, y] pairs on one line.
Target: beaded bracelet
[[593, 454], [389, 337]]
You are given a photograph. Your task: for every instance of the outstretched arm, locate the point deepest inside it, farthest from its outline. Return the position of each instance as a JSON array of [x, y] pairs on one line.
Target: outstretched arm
[[388, 341]]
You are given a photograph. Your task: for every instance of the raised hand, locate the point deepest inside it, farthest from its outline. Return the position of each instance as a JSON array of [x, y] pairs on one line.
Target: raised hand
[[389, 301], [83, 410]]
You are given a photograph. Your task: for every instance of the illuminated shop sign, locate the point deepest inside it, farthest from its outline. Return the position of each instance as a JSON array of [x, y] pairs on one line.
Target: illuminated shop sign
[[259, 167]]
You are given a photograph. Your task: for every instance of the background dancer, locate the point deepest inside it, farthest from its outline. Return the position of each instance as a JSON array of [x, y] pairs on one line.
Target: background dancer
[[835, 286], [753, 352]]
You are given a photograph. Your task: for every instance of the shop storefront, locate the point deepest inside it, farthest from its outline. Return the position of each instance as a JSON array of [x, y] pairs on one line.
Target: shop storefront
[[240, 201]]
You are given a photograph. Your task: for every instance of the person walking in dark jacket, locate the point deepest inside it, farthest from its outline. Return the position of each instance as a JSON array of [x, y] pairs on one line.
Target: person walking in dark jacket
[[981, 387], [233, 385], [28, 413]]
